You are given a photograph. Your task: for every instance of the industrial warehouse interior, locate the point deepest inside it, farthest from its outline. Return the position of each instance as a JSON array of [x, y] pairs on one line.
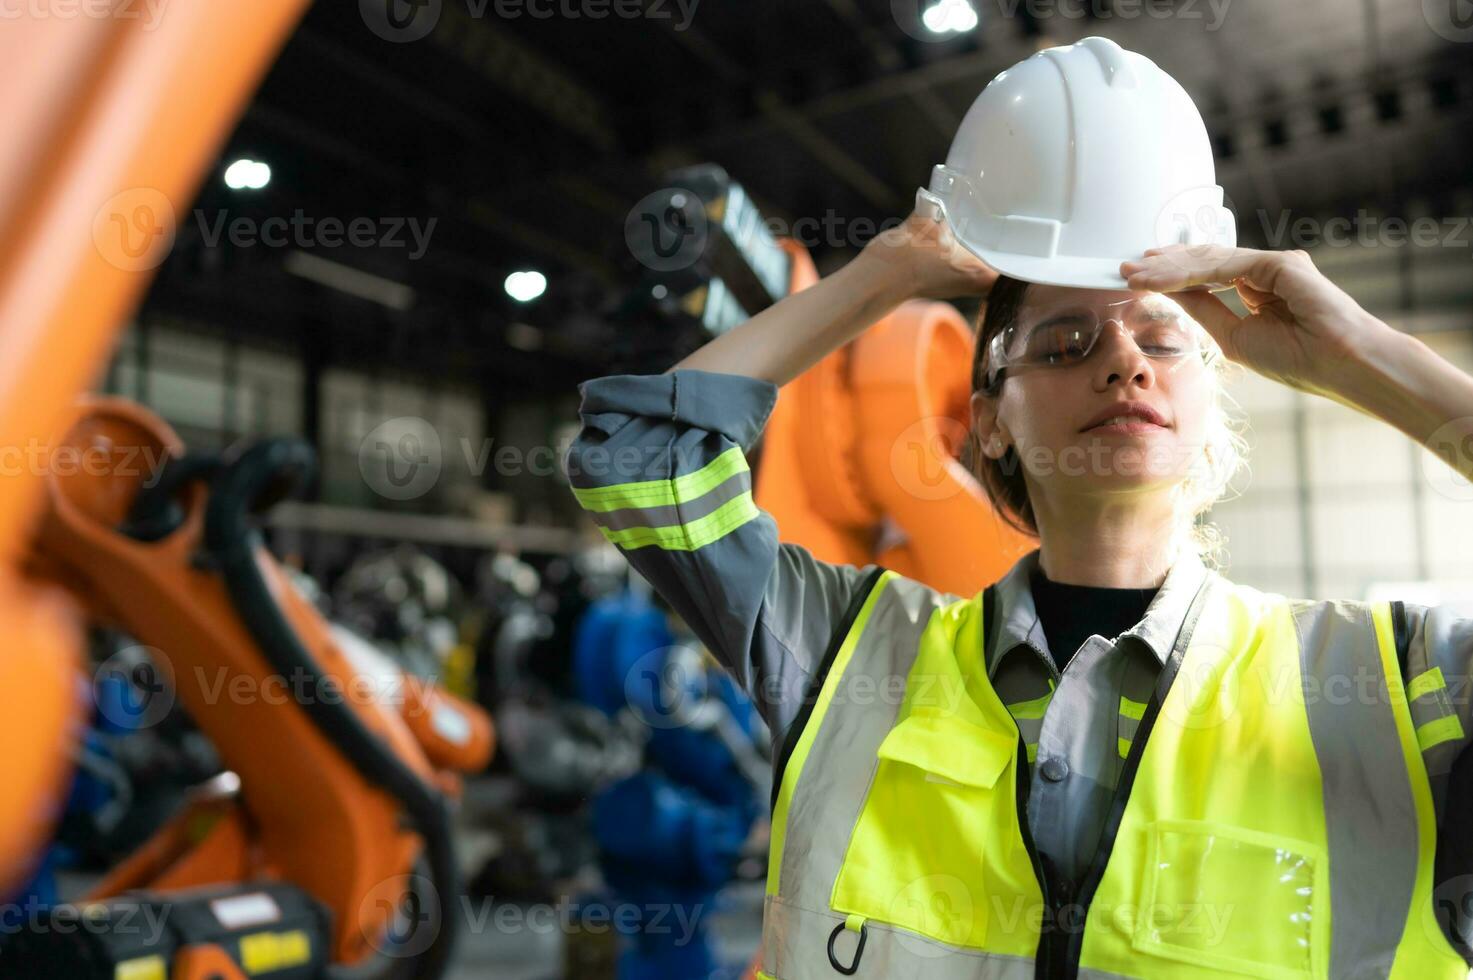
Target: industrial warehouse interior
[[460, 459]]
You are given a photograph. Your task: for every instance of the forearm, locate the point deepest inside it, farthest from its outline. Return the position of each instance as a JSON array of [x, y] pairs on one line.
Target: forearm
[[1403, 382], [795, 333]]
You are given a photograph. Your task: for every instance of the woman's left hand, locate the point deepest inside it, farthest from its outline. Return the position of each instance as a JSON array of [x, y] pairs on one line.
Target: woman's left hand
[[1302, 329]]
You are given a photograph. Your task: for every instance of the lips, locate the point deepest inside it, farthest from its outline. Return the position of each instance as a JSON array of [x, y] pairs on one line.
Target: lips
[[1127, 417]]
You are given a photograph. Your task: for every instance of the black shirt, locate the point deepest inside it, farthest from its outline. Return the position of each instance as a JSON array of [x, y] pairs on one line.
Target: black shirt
[[1071, 614]]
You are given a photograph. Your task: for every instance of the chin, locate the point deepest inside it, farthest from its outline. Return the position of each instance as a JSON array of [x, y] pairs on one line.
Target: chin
[[1127, 462]]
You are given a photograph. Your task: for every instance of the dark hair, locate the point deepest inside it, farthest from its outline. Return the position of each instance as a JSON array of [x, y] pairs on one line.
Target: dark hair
[[1001, 478]]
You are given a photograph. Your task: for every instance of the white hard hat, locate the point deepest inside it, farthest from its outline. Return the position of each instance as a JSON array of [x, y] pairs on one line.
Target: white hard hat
[[1075, 160]]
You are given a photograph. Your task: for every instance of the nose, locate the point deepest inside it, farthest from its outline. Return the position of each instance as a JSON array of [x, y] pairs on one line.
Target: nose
[[1119, 359]]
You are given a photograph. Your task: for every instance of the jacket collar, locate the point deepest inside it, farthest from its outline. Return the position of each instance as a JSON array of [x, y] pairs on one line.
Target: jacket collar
[[1016, 623]]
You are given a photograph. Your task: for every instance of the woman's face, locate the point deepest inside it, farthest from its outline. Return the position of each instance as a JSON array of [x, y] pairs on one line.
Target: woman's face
[[1049, 412]]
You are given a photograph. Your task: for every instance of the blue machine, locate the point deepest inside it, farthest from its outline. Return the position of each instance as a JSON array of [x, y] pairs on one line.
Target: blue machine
[[671, 835]]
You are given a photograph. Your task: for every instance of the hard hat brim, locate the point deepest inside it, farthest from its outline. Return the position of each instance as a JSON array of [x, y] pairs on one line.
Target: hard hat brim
[[1077, 272]]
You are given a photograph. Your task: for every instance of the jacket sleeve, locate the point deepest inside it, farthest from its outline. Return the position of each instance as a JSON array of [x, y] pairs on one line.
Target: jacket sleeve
[[660, 466], [1438, 666], [1438, 673]]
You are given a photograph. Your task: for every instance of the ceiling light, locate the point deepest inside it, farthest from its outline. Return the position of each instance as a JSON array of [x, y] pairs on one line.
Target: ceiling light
[[247, 175], [950, 17], [525, 286]]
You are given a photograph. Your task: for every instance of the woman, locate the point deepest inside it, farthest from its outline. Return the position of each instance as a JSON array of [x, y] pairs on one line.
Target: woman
[[961, 792]]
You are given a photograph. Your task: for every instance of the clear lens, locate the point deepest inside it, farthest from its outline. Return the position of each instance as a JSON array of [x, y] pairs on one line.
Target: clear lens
[[1067, 335]]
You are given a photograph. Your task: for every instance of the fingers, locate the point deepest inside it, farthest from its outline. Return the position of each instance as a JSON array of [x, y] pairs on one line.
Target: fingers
[[1254, 299], [1214, 315], [1180, 267]]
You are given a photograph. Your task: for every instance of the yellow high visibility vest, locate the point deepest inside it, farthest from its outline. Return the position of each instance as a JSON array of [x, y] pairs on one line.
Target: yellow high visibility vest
[[1273, 818]]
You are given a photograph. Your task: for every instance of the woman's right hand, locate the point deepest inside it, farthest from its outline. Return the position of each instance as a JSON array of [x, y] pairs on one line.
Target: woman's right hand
[[925, 260], [918, 259]]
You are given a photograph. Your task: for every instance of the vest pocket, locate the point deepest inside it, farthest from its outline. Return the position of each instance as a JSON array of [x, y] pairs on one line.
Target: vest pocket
[[916, 855], [1237, 899]]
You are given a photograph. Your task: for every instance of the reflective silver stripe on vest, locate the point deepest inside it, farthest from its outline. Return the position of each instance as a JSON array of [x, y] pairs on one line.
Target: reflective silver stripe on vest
[[790, 935], [1370, 816], [842, 759]]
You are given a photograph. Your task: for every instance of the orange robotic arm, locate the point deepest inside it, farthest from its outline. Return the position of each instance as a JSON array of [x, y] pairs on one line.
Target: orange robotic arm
[[112, 119], [340, 790], [105, 115]]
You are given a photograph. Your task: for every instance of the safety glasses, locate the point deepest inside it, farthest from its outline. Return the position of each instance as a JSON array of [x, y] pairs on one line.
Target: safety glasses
[[1066, 335]]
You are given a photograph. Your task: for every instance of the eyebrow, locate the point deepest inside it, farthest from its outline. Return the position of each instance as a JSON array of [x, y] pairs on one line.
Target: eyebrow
[[1150, 308], [1051, 318]]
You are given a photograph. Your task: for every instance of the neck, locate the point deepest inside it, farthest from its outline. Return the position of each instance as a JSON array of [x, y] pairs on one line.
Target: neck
[[1116, 541]]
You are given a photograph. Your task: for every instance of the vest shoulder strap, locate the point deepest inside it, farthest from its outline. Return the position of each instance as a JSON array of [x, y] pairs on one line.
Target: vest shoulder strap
[[820, 673]]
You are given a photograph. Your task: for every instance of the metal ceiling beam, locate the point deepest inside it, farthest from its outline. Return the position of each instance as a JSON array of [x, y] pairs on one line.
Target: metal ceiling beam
[[494, 52], [473, 130], [373, 75], [1260, 173], [907, 84], [889, 59], [877, 192], [777, 113], [497, 55]]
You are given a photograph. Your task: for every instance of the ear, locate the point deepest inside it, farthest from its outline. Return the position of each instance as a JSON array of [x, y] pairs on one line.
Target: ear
[[991, 435]]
